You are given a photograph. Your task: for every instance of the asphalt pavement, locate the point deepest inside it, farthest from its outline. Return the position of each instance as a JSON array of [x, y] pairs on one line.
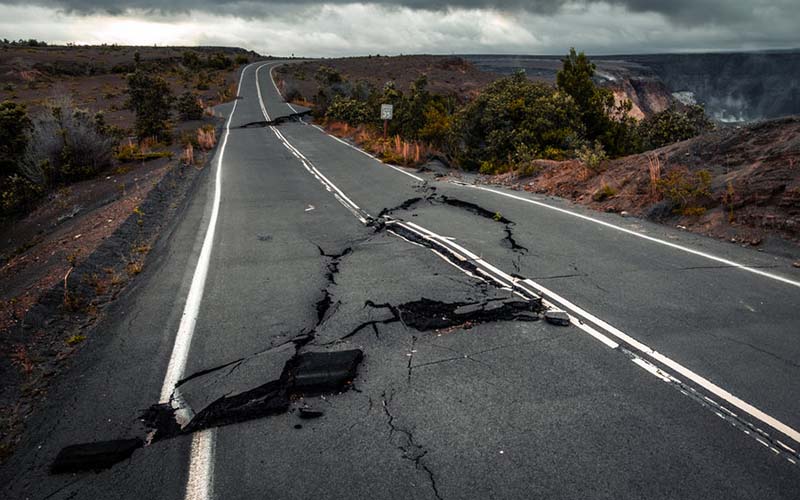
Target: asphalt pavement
[[678, 376]]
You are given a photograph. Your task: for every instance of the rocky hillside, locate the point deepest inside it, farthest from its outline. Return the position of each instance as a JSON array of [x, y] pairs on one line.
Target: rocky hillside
[[752, 192]]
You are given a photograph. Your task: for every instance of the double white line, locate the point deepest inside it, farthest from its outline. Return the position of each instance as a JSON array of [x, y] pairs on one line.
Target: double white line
[[654, 362], [200, 480]]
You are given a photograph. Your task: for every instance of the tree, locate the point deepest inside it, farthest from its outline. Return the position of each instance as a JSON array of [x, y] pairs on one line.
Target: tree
[[674, 125], [594, 103], [409, 116], [150, 99], [14, 126], [602, 118]]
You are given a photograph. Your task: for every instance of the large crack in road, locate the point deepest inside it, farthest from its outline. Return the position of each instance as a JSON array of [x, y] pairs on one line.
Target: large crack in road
[[314, 372]]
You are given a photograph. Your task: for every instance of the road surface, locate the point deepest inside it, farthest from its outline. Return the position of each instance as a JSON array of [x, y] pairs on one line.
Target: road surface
[[678, 377]]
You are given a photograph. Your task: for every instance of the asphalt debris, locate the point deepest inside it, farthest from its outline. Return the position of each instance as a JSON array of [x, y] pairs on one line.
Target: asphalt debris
[[310, 413], [556, 317], [305, 374]]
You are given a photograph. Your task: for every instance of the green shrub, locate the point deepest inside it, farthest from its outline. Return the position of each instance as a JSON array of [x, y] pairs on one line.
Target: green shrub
[[673, 125], [150, 99], [218, 60], [241, 59], [592, 156], [190, 59], [132, 152], [18, 193], [686, 190], [348, 110], [512, 118], [327, 76], [14, 126], [189, 107]]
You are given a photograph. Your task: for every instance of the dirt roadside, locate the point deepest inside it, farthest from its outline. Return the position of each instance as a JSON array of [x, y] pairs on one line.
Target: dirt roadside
[[81, 250], [752, 197]]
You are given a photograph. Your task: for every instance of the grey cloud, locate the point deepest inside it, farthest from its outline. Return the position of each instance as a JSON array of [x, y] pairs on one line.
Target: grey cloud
[[685, 12]]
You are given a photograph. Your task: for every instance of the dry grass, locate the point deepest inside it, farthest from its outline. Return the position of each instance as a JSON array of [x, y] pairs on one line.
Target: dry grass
[[394, 150], [206, 138], [187, 157], [654, 169], [134, 267]]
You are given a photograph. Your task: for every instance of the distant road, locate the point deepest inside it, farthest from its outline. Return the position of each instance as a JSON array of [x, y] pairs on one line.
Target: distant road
[[678, 377]]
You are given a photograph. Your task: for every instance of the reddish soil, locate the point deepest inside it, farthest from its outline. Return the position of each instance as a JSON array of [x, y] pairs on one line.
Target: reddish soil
[[63, 231], [446, 74], [63, 262], [755, 186]]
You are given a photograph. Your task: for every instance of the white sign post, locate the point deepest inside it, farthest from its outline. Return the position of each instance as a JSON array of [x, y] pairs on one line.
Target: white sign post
[[387, 110]]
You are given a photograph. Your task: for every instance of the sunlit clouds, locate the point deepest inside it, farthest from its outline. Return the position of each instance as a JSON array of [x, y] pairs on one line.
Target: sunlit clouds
[[336, 29]]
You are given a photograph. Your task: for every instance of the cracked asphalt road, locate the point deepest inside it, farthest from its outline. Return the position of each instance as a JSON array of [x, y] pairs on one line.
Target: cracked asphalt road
[[461, 393]]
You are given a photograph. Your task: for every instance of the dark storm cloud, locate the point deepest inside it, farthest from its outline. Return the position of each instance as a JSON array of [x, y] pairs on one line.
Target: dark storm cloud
[[687, 12]]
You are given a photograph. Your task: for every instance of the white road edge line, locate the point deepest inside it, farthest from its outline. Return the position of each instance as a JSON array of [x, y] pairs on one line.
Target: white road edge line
[[548, 296], [676, 246], [201, 462], [272, 78]]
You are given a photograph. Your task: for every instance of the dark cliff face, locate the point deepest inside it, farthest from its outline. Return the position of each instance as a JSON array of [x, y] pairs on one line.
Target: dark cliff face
[[733, 86], [741, 86]]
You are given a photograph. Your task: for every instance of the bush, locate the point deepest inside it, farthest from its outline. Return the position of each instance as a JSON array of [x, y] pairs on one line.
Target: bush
[[592, 157], [218, 60], [511, 119], [327, 76], [150, 99], [348, 110], [438, 126], [66, 146], [686, 190], [17, 193], [673, 125], [604, 193], [241, 59], [14, 126], [190, 59], [189, 107]]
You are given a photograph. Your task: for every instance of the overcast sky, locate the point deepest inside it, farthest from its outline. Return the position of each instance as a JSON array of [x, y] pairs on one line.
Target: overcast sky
[[338, 28]]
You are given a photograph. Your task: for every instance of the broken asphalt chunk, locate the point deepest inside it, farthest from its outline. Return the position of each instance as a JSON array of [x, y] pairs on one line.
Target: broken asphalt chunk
[[557, 317], [426, 314], [95, 456], [309, 413], [309, 373], [320, 372]]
